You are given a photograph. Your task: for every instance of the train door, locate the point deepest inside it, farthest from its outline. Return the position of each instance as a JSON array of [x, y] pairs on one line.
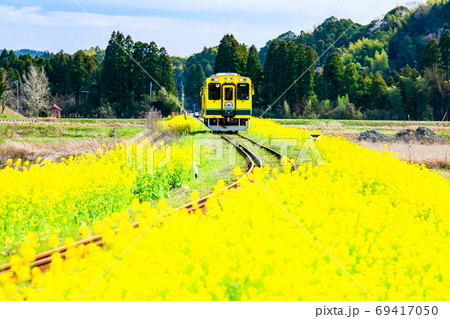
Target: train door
[[229, 100]]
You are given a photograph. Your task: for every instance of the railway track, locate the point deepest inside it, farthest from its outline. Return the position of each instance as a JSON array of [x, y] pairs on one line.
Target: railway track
[[43, 260]]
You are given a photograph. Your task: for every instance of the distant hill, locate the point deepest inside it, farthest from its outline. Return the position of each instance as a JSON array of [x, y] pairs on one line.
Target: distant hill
[[33, 53], [402, 33], [97, 52]]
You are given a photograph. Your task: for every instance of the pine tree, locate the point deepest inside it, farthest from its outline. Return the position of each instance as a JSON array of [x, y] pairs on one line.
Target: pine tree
[[196, 78], [431, 56], [254, 68], [231, 56], [166, 79], [306, 68], [333, 72], [282, 73], [117, 81], [57, 70], [444, 47], [378, 92], [350, 81], [255, 73], [3, 87], [270, 69], [78, 71]]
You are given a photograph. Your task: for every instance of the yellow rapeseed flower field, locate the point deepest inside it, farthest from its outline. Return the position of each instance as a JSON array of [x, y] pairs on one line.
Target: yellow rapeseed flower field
[[57, 197], [285, 236]]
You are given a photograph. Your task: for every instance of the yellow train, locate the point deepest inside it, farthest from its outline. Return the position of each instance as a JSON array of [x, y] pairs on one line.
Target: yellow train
[[227, 102]]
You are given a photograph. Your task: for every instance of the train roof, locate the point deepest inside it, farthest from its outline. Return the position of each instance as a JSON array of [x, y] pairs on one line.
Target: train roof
[[227, 77], [224, 74]]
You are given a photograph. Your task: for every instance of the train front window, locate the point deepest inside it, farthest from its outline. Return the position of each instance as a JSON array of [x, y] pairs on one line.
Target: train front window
[[243, 92], [229, 94], [214, 91]]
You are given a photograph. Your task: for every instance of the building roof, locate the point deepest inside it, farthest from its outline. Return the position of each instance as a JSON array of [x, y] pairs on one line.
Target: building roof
[[54, 106]]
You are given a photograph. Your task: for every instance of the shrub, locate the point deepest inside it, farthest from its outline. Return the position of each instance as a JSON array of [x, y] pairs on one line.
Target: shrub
[[43, 113]]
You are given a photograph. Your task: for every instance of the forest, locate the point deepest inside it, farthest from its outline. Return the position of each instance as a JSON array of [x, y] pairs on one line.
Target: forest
[[396, 67]]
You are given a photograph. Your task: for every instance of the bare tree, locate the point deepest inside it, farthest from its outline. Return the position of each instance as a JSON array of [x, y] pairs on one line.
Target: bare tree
[[9, 96], [35, 91]]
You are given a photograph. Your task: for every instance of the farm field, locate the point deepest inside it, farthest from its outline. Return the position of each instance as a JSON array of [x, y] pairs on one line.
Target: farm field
[[357, 225], [434, 156], [30, 141], [352, 128], [60, 196]]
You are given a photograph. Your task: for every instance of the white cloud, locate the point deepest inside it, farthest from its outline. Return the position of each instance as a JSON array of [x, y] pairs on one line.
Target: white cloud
[[177, 25], [71, 30]]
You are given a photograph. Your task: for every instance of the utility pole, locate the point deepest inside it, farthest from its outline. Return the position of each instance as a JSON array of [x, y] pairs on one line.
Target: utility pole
[[151, 83], [17, 85], [182, 97]]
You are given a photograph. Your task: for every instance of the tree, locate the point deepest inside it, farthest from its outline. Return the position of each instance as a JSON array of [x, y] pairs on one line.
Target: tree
[[333, 72], [35, 91], [231, 56], [117, 77], [255, 71], [196, 78], [431, 57], [166, 103], [444, 47], [3, 88], [78, 71], [165, 66], [270, 70], [306, 68], [378, 92], [350, 81]]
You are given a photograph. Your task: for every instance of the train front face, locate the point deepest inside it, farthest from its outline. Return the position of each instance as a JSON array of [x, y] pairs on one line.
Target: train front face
[[227, 102]]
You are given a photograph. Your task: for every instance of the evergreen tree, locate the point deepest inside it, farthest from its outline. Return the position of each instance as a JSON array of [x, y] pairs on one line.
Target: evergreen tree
[[444, 47], [117, 75], [270, 69], [78, 71], [431, 56], [306, 68], [350, 81], [166, 79], [282, 73], [57, 69], [378, 92], [231, 56], [3, 86], [145, 57], [333, 73], [195, 81], [255, 73]]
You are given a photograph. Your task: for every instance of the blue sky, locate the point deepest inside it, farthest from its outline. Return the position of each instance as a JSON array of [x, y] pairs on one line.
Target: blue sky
[[182, 27]]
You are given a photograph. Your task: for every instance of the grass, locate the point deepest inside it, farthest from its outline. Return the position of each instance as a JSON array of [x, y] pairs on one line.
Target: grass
[[215, 167], [30, 141], [47, 132], [102, 121], [10, 114]]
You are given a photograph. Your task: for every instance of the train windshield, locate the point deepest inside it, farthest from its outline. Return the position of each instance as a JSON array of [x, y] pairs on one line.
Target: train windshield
[[214, 91], [243, 92], [228, 94]]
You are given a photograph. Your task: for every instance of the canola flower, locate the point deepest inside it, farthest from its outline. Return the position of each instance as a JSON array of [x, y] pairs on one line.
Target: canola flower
[[376, 215], [57, 197]]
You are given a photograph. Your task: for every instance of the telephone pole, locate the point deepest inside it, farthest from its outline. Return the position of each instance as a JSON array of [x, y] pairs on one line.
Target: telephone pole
[[17, 85], [151, 83]]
